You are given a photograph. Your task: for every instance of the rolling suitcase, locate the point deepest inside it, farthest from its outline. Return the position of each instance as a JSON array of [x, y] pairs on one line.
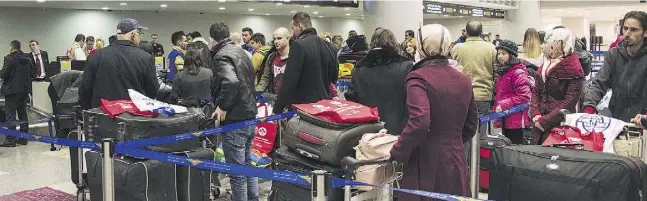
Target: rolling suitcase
[[287, 160], [323, 140], [137, 127], [195, 184], [536, 173], [487, 144], [135, 179]]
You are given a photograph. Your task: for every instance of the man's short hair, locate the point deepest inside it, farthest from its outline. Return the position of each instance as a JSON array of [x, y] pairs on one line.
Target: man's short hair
[[259, 38], [474, 28], [641, 16], [195, 34], [247, 29], [34, 41], [90, 38], [302, 19], [559, 27], [409, 33], [79, 38], [219, 31], [497, 35], [352, 33], [154, 35], [177, 36], [15, 44]]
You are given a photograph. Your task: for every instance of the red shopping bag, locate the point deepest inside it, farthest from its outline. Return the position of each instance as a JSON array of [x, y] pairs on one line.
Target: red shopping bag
[[568, 135], [264, 137], [340, 111]]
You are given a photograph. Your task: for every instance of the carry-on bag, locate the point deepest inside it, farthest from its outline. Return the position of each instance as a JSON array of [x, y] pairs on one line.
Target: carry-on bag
[[135, 179], [138, 127], [66, 116], [537, 173], [487, 144], [195, 184], [287, 160], [322, 140], [592, 141], [375, 146]]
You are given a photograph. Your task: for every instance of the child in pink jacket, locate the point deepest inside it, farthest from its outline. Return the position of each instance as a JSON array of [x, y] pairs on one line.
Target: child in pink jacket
[[513, 87]]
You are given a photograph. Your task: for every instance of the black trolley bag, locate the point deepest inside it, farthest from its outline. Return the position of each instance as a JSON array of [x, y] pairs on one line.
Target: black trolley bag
[[194, 184], [287, 160], [135, 179], [537, 173], [137, 127], [322, 140]]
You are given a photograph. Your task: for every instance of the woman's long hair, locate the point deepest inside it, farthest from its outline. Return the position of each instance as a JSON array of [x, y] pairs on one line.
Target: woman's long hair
[[385, 39], [193, 59], [532, 44]]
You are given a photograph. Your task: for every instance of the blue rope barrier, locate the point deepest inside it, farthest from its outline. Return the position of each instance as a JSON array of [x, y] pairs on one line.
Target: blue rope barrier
[[499, 115]]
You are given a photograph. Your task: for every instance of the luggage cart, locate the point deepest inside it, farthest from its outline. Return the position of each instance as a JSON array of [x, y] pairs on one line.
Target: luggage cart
[[350, 165]]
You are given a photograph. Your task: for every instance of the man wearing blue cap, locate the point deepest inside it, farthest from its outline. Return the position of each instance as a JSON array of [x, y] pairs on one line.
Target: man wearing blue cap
[[111, 71]]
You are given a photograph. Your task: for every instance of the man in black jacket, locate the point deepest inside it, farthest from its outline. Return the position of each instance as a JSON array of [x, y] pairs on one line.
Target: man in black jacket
[[109, 73], [312, 67], [17, 73], [40, 59], [624, 72], [234, 94]]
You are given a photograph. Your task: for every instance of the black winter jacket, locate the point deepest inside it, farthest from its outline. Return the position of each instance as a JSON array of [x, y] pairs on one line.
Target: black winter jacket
[[110, 72], [312, 66], [234, 81], [626, 76], [192, 90], [17, 73], [379, 80]]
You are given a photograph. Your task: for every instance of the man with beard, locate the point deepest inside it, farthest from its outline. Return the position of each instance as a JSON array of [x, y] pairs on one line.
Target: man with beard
[[623, 72]]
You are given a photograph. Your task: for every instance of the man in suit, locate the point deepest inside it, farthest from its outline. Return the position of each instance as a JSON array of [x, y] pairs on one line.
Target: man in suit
[[39, 58]]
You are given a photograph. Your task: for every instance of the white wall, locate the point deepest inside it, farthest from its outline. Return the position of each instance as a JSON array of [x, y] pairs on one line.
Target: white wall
[[55, 28], [456, 26], [606, 29], [579, 26], [343, 26]]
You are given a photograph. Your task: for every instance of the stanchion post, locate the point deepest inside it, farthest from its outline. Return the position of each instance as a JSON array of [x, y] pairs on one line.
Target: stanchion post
[[474, 162], [108, 169], [320, 185]]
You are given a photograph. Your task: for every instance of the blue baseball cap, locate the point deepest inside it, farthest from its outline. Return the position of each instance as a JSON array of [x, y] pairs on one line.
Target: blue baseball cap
[[128, 25]]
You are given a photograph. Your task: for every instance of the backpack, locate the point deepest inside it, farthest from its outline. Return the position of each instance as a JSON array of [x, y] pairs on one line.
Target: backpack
[[585, 57], [532, 72]]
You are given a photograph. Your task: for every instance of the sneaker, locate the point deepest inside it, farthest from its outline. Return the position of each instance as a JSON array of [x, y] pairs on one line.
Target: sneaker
[[22, 142]]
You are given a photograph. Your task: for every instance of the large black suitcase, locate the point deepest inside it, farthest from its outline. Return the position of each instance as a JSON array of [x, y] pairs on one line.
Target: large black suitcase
[[137, 127], [536, 173], [195, 184], [135, 179], [285, 159]]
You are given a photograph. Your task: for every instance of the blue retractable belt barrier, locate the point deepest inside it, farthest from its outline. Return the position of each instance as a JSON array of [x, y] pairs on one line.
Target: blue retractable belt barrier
[[51, 140], [339, 183], [498, 115], [200, 134]]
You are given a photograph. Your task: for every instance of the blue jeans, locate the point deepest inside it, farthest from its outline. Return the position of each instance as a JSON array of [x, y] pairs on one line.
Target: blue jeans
[[236, 146]]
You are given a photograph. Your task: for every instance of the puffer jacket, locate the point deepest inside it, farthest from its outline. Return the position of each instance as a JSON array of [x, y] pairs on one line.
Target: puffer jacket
[[379, 81], [625, 74], [561, 90], [17, 73], [513, 88], [234, 81]]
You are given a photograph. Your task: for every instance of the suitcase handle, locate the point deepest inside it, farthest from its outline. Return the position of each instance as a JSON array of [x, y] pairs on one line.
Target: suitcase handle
[[566, 145]]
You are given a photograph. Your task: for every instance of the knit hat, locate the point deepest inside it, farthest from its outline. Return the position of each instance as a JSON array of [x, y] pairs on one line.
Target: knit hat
[[509, 46]]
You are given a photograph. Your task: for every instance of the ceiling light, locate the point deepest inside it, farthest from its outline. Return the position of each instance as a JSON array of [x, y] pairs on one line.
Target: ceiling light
[[347, 14], [294, 11], [286, 0], [163, 5], [221, 8], [123, 4], [40, 1], [306, 6], [105, 8], [320, 16], [250, 10], [267, 14], [222, 1], [279, 4], [346, 8], [315, 12]]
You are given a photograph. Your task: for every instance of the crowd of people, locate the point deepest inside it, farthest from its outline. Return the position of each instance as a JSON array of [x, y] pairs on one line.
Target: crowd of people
[[429, 89]]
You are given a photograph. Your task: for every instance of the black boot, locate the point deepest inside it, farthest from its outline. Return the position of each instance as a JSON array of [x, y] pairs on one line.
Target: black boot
[[9, 142], [22, 141]]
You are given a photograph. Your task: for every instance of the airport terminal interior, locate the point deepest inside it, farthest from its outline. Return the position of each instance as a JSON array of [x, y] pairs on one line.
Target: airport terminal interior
[[60, 37]]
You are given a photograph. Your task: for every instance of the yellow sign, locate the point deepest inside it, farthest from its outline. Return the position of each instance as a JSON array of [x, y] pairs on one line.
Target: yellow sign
[[37, 137], [194, 161], [346, 70], [159, 63], [198, 133], [307, 178], [66, 66]]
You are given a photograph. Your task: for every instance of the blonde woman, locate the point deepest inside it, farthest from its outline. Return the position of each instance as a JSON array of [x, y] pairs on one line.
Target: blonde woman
[[532, 48], [99, 44]]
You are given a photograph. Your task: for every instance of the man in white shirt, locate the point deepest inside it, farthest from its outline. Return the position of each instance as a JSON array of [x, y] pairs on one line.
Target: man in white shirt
[[76, 52], [39, 58]]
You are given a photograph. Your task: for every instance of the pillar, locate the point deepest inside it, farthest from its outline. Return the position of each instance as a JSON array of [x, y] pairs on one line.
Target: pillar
[[528, 15], [581, 27], [397, 16]]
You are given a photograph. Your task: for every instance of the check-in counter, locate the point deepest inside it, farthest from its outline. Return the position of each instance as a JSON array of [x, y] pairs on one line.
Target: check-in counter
[[40, 97]]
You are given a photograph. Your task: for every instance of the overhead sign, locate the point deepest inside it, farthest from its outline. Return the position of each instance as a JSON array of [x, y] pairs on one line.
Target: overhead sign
[[446, 9], [333, 3]]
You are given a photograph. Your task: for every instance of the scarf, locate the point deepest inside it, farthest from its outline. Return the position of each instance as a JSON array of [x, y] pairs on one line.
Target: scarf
[[503, 68]]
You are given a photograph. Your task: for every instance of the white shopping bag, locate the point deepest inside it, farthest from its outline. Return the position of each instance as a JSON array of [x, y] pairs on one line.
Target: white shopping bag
[[144, 103], [604, 103]]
